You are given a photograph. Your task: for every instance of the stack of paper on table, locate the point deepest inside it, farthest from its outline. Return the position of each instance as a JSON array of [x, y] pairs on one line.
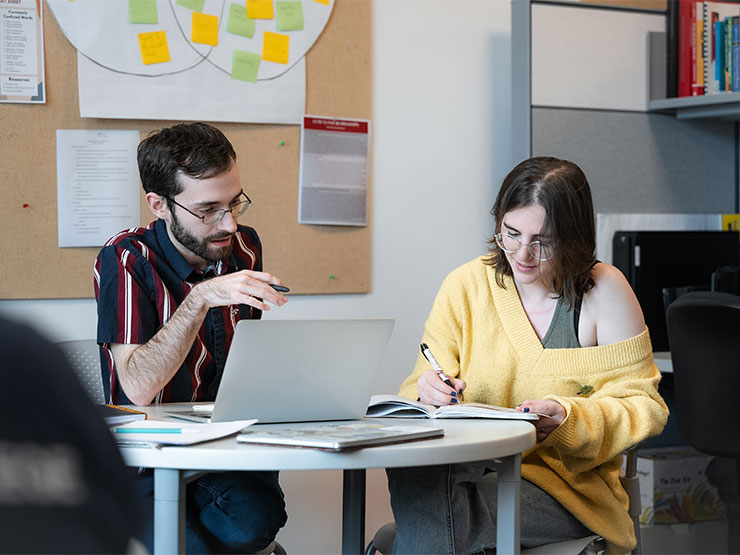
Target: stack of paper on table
[[400, 407], [152, 433]]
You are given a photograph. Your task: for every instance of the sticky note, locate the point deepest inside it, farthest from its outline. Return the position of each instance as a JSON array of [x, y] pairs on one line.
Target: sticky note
[[260, 9], [324, 2], [245, 66], [275, 47], [153, 47], [731, 222], [238, 22], [195, 5], [142, 11], [289, 16], [205, 29]]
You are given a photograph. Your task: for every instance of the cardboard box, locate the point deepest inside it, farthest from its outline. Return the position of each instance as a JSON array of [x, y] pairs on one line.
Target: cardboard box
[[674, 487]]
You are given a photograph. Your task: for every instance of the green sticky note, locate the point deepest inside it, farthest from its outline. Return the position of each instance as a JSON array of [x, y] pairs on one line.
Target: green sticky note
[[238, 22], [195, 5], [289, 16], [245, 65], [142, 11]]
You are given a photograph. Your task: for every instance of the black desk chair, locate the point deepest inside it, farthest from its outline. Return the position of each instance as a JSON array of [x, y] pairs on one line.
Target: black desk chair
[[704, 338]]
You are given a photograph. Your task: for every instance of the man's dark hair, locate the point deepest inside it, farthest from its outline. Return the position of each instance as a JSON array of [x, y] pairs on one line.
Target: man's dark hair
[[561, 188], [197, 150]]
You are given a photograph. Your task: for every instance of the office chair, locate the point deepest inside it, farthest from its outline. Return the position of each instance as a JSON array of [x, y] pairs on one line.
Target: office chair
[[383, 540], [84, 356], [704, 338]]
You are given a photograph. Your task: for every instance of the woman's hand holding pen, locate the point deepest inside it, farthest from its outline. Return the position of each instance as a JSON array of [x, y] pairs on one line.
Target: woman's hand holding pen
[[546, 424], [433, 391]]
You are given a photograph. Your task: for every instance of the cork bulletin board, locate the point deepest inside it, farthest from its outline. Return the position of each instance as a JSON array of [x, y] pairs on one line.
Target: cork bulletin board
[[311, 259]]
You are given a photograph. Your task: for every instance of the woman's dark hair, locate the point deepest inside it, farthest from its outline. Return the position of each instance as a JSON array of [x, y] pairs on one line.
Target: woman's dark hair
[[561, 188], [197, 150]]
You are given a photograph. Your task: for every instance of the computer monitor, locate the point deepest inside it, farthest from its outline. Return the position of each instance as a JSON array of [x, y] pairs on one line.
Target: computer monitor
[[654, 260]]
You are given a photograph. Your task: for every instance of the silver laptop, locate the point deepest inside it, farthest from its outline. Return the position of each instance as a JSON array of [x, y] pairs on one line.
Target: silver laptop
[[300, 370]]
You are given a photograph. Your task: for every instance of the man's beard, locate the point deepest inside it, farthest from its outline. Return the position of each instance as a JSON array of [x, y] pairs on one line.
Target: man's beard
[[198, 246]]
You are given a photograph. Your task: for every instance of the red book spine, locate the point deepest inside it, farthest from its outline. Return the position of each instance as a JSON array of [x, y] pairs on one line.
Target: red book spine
[[684, 53]]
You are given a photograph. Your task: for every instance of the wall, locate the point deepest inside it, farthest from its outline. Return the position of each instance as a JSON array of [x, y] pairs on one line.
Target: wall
[[441, 145]]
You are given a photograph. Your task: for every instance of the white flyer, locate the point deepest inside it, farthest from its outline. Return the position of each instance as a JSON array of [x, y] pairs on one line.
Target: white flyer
[[97, 185], [333, 171], [22, 52]]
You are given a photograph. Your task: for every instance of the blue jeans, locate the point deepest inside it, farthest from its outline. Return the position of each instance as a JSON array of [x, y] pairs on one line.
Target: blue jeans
[[453, 508], [226, 512]]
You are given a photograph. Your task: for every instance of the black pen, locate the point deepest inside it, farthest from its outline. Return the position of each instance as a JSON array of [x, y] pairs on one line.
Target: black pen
[[427, 352], [279, 288]]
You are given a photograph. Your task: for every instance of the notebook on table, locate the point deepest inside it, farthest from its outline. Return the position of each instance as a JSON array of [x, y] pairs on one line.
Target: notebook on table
[[337, 436], [298, 371]]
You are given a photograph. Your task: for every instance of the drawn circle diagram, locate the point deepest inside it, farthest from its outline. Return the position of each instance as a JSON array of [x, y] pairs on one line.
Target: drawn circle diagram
[[101, 31]]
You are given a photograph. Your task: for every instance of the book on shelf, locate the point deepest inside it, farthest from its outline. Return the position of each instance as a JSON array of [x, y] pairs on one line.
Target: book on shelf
[[684, 47], [400, 407], [672, 26], [714, 16], [697, 50], [114, 414], [734, 57], [337, 436]]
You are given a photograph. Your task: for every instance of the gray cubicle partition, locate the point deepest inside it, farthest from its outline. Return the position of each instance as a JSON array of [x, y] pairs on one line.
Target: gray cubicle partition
[[635, 160], [643, 162]]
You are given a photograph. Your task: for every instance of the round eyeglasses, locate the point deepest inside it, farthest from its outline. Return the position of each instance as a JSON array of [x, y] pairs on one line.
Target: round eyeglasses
[[214, 216], [511, 244]]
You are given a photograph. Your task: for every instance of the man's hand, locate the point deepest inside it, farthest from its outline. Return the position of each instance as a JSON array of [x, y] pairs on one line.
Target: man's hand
[[545, 425], [145, 369], [245, 287], [433, 391]]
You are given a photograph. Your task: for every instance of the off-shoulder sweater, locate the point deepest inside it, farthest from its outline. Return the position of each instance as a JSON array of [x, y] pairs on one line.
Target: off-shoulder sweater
[[480, 333]]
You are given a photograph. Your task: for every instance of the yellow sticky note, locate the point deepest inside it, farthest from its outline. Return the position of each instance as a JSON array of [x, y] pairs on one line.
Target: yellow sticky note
[[275, 47], [154, 48], [324, 2], [260, 9], [205, 29], [731, 222]]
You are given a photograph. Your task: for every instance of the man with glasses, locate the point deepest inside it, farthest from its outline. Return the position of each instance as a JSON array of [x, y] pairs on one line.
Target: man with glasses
[[169, 297]]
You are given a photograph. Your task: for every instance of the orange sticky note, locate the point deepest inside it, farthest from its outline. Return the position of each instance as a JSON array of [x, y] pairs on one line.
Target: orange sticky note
[[260, 9], [275, 47], [324, 2], [153, 47], [205, 29]]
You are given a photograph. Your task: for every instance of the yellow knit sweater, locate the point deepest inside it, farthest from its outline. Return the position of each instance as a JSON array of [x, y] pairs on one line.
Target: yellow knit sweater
[[480, 333]]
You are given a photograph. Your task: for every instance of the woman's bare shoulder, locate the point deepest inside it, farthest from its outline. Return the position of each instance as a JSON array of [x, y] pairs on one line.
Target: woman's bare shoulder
[[613, 306]]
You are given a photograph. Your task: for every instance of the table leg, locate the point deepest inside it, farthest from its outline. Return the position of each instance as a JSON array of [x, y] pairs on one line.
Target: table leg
[[169, 511], [509, 486], [353, 512]]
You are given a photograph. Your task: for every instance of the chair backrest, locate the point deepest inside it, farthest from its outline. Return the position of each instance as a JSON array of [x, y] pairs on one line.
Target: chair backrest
[[704, 338], [84, 356]]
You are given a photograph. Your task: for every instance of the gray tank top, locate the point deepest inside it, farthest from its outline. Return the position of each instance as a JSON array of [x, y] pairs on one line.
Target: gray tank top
[[562, 331]]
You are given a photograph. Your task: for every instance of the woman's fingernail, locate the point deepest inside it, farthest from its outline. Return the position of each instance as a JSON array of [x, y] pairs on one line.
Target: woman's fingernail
[[453, 394], [525, 409], [454, 400], [460, 391]]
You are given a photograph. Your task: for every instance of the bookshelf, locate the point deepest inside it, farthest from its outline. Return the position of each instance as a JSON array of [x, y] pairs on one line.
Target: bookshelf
[[723, 106], [720, 106]]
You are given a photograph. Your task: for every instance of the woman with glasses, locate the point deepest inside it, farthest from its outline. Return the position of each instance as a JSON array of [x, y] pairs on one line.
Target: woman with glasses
[[538, 324]]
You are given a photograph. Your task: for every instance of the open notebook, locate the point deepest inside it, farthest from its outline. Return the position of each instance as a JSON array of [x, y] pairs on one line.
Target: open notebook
[[299, 370], [400, 407]]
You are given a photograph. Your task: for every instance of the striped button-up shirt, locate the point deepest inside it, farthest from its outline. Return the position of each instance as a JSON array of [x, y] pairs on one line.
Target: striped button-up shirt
[[140, 280]]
